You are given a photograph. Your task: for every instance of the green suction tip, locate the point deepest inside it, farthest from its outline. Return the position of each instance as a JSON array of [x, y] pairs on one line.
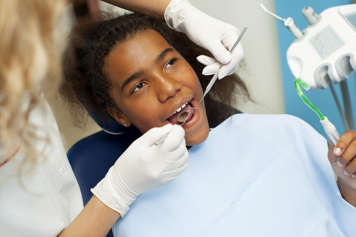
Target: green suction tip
[[299, 84]]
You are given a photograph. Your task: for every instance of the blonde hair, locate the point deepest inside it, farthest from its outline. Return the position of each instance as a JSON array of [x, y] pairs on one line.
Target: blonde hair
[[29, 56]]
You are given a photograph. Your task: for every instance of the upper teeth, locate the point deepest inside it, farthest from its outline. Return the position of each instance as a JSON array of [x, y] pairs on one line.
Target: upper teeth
[[182, 107]]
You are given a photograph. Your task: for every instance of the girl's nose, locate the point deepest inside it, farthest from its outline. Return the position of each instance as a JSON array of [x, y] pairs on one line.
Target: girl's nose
[[166, 88]]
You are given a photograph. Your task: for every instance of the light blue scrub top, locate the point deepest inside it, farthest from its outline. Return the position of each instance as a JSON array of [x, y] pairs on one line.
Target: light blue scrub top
[[255, 175]]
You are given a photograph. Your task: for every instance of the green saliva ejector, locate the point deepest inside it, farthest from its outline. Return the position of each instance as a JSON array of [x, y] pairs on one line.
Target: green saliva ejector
[[328, 127]]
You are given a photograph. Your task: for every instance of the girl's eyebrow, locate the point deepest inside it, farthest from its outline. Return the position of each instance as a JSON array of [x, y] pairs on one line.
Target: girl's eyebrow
[[164, 53], [131, 78], [139, 73]]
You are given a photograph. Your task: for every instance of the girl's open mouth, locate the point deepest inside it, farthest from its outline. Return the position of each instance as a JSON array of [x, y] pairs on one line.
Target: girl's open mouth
[[186, 116], [183, 114]]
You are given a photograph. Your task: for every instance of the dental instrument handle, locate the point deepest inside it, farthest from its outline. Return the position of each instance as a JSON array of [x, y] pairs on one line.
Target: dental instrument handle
[[209, 86], [239, 38], [330, 130]]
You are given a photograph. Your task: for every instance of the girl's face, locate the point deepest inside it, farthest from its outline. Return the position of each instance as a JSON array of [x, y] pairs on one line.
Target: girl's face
[[150, 82]]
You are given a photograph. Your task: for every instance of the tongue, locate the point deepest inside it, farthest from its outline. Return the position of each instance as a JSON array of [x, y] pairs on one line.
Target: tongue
[[182, 116]]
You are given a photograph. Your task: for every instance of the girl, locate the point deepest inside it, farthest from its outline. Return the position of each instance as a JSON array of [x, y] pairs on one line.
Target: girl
[[252, 175]]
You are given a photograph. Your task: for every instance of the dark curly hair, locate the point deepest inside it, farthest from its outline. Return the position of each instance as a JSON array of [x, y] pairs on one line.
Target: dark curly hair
[[86, 84]]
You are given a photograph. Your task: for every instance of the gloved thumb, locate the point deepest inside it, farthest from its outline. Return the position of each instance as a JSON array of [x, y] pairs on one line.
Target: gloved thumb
[[237, 56], [221, 54], [155, 136]]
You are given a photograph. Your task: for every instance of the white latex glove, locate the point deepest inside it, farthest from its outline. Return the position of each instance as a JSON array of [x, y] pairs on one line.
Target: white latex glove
[[212, 34], [154, 159]]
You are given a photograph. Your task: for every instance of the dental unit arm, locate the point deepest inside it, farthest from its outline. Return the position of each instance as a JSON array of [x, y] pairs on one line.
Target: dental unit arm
[[324, 53]]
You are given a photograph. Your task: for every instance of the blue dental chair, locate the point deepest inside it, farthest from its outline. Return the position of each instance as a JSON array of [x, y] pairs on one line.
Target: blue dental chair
[[92, 156]]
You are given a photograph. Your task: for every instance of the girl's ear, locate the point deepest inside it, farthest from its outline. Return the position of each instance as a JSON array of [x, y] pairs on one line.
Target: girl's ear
[[119, 117]]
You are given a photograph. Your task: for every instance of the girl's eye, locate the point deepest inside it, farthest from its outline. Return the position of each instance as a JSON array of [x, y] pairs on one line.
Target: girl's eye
[[138, 87], [170, 63]]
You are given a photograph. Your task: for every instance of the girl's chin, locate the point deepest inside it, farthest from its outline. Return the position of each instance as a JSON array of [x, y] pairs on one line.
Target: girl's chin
[[195, 138], [197, 128]]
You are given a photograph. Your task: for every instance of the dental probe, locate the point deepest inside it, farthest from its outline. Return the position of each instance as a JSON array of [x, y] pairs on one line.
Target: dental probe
[[215, 77]]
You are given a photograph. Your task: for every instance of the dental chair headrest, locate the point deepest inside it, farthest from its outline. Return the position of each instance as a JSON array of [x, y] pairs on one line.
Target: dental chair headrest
[[107, 123]]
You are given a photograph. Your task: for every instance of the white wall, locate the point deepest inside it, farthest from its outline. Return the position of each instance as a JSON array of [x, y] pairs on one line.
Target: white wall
[[262, 71]]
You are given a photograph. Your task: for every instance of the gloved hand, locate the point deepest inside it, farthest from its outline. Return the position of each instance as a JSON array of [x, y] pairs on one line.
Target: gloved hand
[[154, 159], [212, 34]]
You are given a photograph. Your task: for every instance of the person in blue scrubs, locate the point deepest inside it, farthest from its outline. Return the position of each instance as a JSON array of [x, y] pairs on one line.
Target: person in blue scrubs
[[252, 175]]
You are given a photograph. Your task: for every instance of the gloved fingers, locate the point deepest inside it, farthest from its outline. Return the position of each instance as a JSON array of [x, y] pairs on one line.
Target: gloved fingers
[[156, 135], [206, 60], [178, 162], [212, 66], [230, 68], [221, 48], [170, 175], [174, 156], [174, 139], [226, 71], [172, 167], [183, 159], [229, 38], [180, 151], [220, 53], [211, 69]]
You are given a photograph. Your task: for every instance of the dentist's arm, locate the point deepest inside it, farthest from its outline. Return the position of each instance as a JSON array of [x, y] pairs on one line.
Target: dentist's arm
[[154, 159], [95, 220]]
